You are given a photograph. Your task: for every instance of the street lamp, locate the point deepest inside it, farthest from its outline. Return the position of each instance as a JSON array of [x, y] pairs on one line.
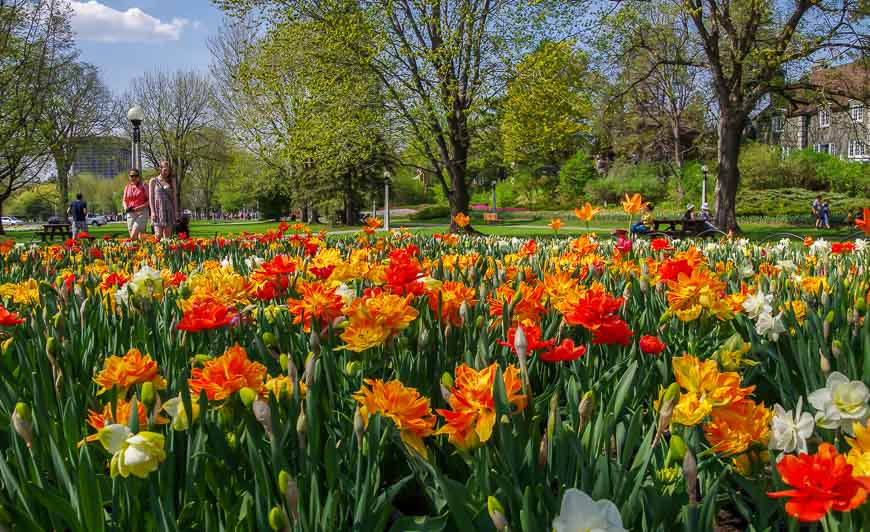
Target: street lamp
[[704, 185], [135, 115], [387, 176]]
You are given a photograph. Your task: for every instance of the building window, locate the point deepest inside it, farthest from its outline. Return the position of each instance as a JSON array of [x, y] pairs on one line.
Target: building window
[[824, 148], [857, 112], [857, 149], [824, 117], [776, 123]]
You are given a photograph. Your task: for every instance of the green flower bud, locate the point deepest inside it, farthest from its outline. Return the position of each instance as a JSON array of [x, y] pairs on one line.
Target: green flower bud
[[23, 411], [269, 339], [496, 513], [247, 395], [202, 358], [283, 481], [478, 322], [276, 518], [51, 346], [447, 380], [830, 317], [232, 442], [56, 320], [672, 393], [677, 450], [148, 394], [283, 361], [352, 368], [7, 343]]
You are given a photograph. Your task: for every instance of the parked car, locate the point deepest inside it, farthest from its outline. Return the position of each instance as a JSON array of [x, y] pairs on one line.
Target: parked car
[[96, 219], [11, 220]]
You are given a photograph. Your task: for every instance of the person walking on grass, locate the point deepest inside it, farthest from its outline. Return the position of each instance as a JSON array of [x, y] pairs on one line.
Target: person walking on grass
[[136, 205], [817, 211], [78, 209], [826, 214], [163, 200]]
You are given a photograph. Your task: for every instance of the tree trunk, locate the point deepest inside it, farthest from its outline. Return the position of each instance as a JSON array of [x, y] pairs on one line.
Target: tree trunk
[[728, 173], [2, 230], [678, 145], [457, 168], [62, 185], [350, 209]]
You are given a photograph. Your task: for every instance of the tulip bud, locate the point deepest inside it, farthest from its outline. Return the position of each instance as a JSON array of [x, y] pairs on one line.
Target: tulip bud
[[542, 452], [824, 363], [359, 427], [291, 495], [826, 329], [520, 343], [837, 348], [22, 421], [586, 408], [352, 368], [496, 513], [478, 322], [202, 359], [57, 320], [463, 312], [302, 429], [314, 342], [551, 419], [644, 285], [148, 394], [276, 519], [690, 473], [676, 450], [269, 339], [310, 367], [824, 298], [7, 343], [51, 346], [861, 304], [247, 395], [518, 295]]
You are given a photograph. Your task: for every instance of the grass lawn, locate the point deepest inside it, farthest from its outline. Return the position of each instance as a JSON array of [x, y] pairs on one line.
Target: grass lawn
[[519, 228]]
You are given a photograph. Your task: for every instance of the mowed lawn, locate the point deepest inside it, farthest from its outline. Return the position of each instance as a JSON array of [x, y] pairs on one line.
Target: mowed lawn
[[520, 227]]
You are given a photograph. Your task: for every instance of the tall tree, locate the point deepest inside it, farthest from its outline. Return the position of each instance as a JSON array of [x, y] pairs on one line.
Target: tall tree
[[438, 60], [177, 107], [35, 38], [747, 47], [80, 107], [210, 166]]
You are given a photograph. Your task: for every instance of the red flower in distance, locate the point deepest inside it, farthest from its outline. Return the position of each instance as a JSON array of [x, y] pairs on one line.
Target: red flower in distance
[[566, 351], [822, 482], [9, 318], [623, 245], [651, 345], [322, 273], [593, 308], [206, 315], [842, 247], [659, 244], [615, 331]]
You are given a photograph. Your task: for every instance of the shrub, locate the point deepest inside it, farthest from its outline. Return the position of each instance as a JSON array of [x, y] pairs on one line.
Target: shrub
[[431, 213], [574, 174], [792, 202], [627, 178], [762, 167]]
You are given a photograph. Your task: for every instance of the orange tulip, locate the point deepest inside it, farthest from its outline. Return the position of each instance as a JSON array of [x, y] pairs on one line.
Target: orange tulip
[[634, 204], [132, 368], [407, 409], [586, 212], [555, 224], [461, 219], [864, 223], [226, 374]]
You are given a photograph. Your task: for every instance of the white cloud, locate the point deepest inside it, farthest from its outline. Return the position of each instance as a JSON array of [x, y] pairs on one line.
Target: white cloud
[[93, 21]]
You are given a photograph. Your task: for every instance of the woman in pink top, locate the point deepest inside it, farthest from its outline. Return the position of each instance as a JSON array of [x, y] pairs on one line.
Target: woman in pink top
[[136, 205]]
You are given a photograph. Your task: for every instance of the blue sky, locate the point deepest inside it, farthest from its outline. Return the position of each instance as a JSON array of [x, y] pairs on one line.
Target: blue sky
[[127, 37]]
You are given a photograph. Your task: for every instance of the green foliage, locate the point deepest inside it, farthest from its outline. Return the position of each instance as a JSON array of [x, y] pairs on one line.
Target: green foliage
[[37, 202], [433, 212], [763, 167], [627, 178], [793, 202], [406, 189], [547, 107], [103, 195], [574, 174]]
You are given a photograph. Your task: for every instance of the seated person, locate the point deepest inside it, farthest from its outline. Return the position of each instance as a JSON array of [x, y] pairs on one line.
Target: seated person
[[646, 221], [705, 217], [690, 212]]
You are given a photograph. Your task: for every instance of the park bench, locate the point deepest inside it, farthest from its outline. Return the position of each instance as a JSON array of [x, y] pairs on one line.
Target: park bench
[[490, 217], [680, 228]]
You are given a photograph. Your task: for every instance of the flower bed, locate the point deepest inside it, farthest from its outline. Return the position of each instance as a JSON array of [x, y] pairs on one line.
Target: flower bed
[[290, 382]]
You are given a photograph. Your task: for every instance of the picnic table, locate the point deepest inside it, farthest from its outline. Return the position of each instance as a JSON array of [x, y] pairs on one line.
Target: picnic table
[[679, 228], [490, 217], [49, 231]]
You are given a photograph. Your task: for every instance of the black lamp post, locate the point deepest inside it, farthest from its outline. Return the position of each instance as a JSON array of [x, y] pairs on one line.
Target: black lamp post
[[387, 176], [704, 185], [135, 115]]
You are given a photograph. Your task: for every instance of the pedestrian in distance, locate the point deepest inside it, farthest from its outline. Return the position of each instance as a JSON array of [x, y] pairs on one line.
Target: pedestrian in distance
[[136, 205], [78, 209]]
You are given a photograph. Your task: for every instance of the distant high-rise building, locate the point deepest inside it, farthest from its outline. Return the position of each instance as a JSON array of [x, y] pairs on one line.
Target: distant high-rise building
[[102, 156]]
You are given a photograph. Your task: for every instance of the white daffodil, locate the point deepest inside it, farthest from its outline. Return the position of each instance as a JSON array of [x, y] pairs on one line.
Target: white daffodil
[[860, 245], [141, 455], [770, 326], [757, 304], [146, 283], [787, 266], [346, 293], [254, 263], [840, 403], [790, 429], [227, 264], [579, 513], [820, 247], [175, 408]]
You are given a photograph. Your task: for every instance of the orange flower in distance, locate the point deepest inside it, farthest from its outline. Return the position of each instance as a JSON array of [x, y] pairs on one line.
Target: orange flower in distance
[[633, 204], [316, 301], [407, 409], [208, 314], [123, 372], [586, 212], [461, 219], [820, 483], [864, 223], [733, 428], [9, 318], [470, 420], [372, 225], [222, 376], [555, 224], [98, 420]]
